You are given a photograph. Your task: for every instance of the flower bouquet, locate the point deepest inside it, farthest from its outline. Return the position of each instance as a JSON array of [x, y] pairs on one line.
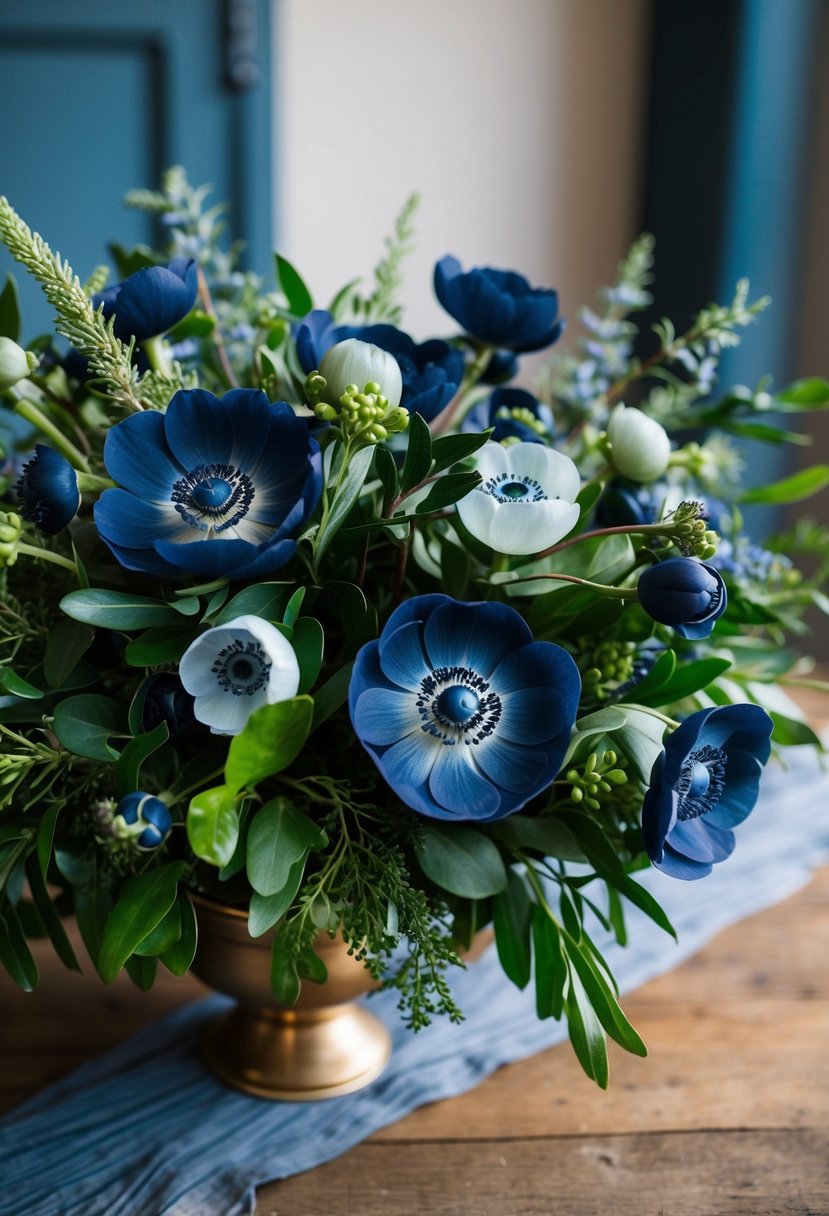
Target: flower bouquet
[[345, 632]]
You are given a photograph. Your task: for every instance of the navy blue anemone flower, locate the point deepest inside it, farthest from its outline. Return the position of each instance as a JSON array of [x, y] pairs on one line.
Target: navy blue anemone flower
[[466, 717], [48, 490], [515, 414], [432, 371], [214, 487], [151, 301], [627, 503], [144, 810], [702, 786], [316, 333], [498, 307], [684, 593]]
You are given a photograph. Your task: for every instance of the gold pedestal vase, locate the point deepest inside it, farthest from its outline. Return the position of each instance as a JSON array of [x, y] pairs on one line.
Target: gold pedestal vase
[[321, 1047]]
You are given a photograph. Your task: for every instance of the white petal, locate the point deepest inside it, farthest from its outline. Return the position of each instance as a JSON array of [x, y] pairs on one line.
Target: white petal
[[194, 665], [520, 528], [477, 510], [491, 459], [224, 713], [556, 473]]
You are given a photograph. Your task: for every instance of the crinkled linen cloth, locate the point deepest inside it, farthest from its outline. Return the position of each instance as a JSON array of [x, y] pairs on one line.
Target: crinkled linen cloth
[[145, 1130]]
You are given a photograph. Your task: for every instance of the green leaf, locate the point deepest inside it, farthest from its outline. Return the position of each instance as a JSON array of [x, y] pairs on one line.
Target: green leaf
[[300, 300], [600, 722], [273, 737], [586, 1033], [512, 913], [308, 642], [344, 498], [128, 766], [546, 835], [418, 459], [765, 433], [604, 860], [450, 449], [85, 723], [807, 394], [10, 310], [66, 645], [158, 645], [333, 694], [791, 489], [213, 825], [587, 498], [141, 971], [92, 908], [657, 677], [120, 610], [447, 490], [789, 732], [163, 936], [684, 682], [311, 967], [280, 836], [641, 740], [144, 901], [616, 915], [461, 860], [604, 1002], [266, 910], [293, 607], [196, 324], [76, 863], [46, 835], [550, 967], [15, 954], [267, 600], [12, 683], [178, 957], [385, 468], [49, 915], [285, 983]]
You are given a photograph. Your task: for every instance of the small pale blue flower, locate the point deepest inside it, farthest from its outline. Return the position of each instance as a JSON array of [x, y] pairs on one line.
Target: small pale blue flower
[[466, 717]]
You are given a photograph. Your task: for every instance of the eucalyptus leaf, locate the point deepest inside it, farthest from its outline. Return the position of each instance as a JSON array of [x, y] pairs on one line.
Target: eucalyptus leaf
[[117, 609], [332, 694], [461, 860], [85, 723], [266, 910], [550, 967], [128, 766], [512, 914], [49, 915], [66, 645], [178, 957], [267, 600], [12, 683], [447, 490], [142, 971], [159, 645], [450, 449], [603, 1001], [280, 836], [213, 824], [273, 736]]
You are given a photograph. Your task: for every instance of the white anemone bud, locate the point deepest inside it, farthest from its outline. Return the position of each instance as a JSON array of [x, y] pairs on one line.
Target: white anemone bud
[[640, 447], [15, 363], [353, 362]]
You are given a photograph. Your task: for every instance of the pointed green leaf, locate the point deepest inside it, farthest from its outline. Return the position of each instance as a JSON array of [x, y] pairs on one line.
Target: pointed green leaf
[[144, 901], [512, 913], [280, 836], [300, 300], [178, 957], [461, 860]]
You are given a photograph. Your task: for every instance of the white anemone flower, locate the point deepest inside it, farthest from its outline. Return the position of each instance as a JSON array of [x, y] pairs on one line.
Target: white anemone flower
[[526, 501], [235, 668]]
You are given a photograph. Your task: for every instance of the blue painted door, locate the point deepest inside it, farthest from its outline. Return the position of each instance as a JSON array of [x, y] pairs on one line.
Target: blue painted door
[[99, 97]]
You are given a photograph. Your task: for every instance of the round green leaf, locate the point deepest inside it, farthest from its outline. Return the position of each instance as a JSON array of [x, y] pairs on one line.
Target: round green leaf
[[463, 861]]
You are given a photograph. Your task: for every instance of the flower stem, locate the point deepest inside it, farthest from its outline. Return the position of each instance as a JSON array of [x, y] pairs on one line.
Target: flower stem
[[32, 413], [618, 593], [218, 340], [91, 483], [46, 555], [158, 355], [621, 530], [476, 369]]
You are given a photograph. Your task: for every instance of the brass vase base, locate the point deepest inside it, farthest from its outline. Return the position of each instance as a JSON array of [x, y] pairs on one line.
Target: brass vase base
[[297, 1055]]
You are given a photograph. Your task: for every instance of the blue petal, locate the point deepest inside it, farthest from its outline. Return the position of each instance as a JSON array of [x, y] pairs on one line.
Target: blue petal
[[476, 635], [538, 664], [658, 810], [130, 521], [402, 657], [383, 717], [457, 785], [407, 765], [512, 768], [676, 866], [153, 300], [698, 841], [199, 428], [213, 558], [136, 455], [146, 561], [270, 557], [536, 715], [742, 785]]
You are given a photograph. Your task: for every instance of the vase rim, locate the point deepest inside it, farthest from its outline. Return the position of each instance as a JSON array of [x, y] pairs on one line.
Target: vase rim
[[218, 905]]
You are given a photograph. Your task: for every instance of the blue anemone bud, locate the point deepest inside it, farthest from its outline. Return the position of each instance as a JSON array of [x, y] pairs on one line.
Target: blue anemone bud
[[498, 307], [151, 301], [149, 812], [687, 594], [702, 786], [48, 490]]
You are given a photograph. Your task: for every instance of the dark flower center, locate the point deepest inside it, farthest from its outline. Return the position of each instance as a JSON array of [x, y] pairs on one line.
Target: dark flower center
[[701, 782], [213, 497], [513, 487], [456, 705], [242, 668]]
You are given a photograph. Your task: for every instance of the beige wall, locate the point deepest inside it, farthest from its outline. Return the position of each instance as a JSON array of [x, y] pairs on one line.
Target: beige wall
[[516, 120]]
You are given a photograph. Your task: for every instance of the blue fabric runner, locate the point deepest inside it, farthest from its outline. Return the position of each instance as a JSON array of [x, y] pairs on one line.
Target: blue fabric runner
[[145, 1131]]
